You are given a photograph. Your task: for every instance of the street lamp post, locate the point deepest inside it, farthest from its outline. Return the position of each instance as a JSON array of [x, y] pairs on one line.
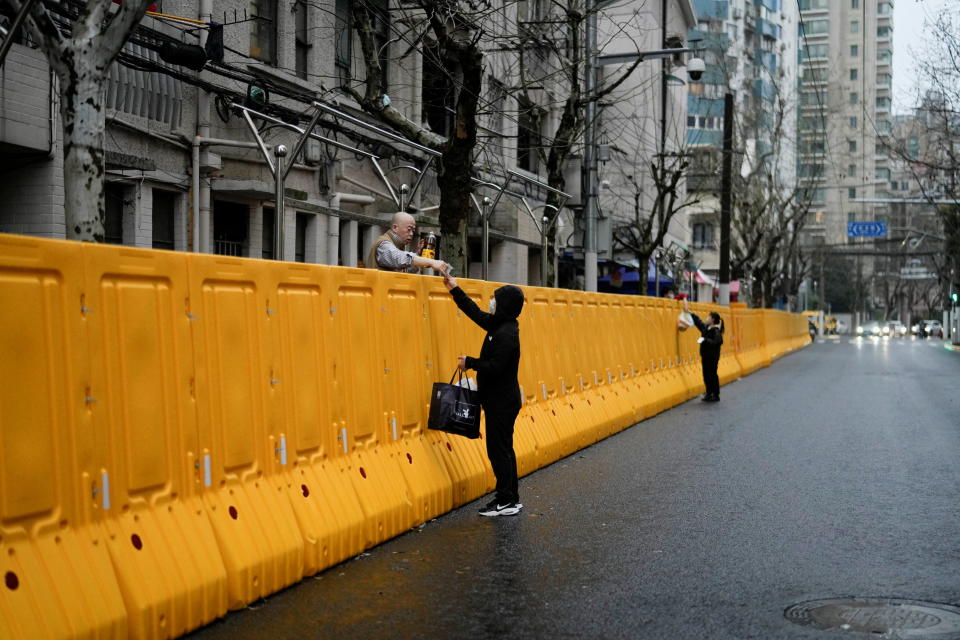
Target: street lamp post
[[592, 63]]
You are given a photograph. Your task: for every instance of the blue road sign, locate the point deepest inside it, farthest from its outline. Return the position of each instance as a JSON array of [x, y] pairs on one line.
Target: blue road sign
[[866, 229]]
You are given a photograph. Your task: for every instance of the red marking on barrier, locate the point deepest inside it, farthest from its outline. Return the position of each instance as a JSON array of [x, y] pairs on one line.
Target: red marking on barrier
[[136, 541], [233, 512], [11, 580]]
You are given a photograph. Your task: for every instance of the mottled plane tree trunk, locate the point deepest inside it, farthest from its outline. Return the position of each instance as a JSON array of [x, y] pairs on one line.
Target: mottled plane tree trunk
[[457, 36], [80, 53]]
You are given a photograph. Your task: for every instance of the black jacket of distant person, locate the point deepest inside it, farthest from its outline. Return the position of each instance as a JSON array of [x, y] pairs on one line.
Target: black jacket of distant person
[[712, 339], [499, 361]]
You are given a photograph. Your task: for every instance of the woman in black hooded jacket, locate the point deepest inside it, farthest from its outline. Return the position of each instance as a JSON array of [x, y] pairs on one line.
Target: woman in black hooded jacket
[[711, 339], [497, 385]]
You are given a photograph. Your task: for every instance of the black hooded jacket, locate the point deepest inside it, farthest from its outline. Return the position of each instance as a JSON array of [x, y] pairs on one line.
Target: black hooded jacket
[[712, 339], [499, 360]]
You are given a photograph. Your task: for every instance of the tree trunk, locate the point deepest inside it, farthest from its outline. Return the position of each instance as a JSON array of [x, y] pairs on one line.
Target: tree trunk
[[81, 109], [457, 163]]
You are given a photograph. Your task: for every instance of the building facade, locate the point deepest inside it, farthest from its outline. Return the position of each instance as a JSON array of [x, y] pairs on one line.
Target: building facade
[[184, 171], [846, 55], [750, 49]]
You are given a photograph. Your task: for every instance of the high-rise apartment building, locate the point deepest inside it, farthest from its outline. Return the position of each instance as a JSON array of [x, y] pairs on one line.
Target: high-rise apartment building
[[846, 55], [749, 47]]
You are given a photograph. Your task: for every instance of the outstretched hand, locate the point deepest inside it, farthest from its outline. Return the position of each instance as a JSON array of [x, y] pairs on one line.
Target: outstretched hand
[[449, 282], [686, 306]]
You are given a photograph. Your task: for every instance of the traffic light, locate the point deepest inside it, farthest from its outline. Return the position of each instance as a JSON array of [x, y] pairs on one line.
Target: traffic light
[[954, 296]]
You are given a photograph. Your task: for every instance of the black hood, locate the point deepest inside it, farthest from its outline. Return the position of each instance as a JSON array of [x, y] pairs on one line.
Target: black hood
[[509, 302]]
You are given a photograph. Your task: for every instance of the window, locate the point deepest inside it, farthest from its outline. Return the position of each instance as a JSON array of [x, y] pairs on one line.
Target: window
[[883, 174], [812, 5], [853, 122], [884, 32], [851, 193], [883, 103], [814, 51], [885, 8], [703, 122], [343, 35], [853, 74], [300, 242], [498, 105], [703, 235], [884, 80], [851, 171], [854, 51], [437, 93], [528, 140], [302, 38], [851, 145], [884, 56], [164, 208], [113, 221], [814, 27], [380, 10], [854, 97], [884, 127], [263, 30], [691, 121], [854, 26], [267, 234], [854, 4]]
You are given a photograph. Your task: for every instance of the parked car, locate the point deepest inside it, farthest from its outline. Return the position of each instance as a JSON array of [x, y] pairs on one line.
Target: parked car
[[934, 328], [871, 329], [896, 329]]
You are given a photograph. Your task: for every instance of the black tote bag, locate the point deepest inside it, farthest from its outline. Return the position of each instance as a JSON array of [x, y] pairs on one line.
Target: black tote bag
[[454, 409]]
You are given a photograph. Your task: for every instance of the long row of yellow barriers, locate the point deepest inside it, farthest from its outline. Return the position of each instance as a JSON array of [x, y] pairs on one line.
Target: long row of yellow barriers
[[183, 434]]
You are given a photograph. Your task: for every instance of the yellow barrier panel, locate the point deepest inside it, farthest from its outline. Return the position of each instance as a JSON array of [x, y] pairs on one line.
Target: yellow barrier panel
[[182, 434], [144, 419], [325, 505], [58, 579], [255, 527], [454, 335]]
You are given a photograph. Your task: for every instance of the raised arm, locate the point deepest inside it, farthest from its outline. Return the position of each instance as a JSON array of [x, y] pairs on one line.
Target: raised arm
[[466, 304]]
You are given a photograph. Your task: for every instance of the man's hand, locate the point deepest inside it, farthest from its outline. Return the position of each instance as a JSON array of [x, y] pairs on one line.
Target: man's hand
[[449, 282], [440, 266], [686, 305], [462, 363]]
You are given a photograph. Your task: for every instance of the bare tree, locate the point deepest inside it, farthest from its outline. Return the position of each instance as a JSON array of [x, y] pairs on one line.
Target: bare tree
[[81, 58], [928, 145], [647, 228], [453, 29]]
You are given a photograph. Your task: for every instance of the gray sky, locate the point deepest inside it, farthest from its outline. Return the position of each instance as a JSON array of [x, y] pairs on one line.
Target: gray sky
[[908, 20]]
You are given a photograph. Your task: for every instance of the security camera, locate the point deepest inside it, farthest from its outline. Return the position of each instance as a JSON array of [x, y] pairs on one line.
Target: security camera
[[695, 68]]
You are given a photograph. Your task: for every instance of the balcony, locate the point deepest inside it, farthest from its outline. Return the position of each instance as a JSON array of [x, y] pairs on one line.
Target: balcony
[[712, 9], [26, 102]]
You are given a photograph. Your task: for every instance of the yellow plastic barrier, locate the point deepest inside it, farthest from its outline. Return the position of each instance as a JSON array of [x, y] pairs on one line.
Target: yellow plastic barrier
[[141, 361], [58, 578], [182, 434], [229, 304]]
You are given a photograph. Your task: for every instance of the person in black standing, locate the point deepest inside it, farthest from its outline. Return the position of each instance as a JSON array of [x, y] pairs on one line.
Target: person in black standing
[[711, 339], [497, 386]]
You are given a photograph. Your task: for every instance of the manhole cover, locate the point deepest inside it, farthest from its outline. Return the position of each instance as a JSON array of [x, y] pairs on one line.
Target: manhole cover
[[880, 617]]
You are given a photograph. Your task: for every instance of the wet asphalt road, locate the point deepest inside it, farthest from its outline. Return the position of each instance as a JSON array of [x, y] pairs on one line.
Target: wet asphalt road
[[835, 472]]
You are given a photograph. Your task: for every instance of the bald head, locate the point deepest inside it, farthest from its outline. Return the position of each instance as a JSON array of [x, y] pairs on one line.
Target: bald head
[[404, 226]]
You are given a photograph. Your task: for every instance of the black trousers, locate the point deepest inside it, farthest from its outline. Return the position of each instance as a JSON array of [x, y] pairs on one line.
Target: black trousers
[[503, 459], [710, 378]]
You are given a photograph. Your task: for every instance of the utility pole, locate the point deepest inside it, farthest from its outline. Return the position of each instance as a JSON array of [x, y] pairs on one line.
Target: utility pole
[[589, 177], [726, 186]]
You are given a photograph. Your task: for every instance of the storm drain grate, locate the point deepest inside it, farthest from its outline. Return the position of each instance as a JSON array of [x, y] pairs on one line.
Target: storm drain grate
[[880, 617]]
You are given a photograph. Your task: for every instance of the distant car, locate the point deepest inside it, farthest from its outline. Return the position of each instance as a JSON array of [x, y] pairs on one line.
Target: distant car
[[895, 329], [934, 328], [871, 329]]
